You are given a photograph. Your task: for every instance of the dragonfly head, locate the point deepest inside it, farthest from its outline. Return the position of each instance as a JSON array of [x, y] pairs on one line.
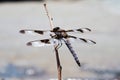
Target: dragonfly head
[[56, 28]]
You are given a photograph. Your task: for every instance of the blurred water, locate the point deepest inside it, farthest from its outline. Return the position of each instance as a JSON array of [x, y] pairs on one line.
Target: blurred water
[[12, 70]]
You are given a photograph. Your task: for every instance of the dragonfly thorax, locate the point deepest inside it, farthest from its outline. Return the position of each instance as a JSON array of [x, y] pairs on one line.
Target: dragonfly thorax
[[59, 33]]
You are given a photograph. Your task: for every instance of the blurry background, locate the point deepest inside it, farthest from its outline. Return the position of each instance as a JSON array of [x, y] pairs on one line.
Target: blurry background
[[100, 61]]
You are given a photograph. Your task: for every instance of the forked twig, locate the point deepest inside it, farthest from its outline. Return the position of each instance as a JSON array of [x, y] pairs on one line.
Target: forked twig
[[59, 68]]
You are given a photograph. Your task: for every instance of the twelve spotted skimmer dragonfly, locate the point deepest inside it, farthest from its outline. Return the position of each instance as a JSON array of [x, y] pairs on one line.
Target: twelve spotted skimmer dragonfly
[[58, 36]]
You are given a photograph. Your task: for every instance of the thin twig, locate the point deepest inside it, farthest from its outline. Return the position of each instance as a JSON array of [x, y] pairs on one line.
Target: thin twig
[[49, 17], [59, 68]]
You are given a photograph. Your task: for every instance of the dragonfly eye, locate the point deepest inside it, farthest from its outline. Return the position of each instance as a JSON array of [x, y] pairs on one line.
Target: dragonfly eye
[[56, 28]]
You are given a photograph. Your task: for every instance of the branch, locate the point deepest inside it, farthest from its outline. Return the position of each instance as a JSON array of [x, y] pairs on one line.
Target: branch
[[59, 68], [49, 17]]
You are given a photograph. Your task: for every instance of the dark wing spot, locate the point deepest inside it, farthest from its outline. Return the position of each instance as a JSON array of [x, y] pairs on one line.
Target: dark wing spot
[[45, 41], [93, 41], [80, 30], [39, 32], [29, 44], [22, 31], [69, 31], [88, 29], [83, 40]]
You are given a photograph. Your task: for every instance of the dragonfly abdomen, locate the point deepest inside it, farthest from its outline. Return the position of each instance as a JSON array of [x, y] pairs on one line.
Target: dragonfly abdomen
[[72, 51]]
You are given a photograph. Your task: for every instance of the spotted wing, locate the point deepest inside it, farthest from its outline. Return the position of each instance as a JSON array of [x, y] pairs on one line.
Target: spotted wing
[[76, 39], [44, 42], [28, 31], [81, 30]]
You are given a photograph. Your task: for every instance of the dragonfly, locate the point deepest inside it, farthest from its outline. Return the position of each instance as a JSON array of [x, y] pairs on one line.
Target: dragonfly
[[59, 36]]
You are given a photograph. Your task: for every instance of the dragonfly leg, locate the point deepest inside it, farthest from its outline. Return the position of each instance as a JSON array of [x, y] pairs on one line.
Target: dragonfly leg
[[60, 44], [56, 46]]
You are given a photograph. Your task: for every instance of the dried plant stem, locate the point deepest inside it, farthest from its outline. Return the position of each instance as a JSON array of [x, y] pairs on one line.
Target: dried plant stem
[[49, 17], [59, 68]]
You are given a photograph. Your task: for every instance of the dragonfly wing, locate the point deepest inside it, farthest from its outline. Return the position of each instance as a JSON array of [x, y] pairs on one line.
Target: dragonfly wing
[[27, 31], [81, 30], [74, 39], [44, 42]]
